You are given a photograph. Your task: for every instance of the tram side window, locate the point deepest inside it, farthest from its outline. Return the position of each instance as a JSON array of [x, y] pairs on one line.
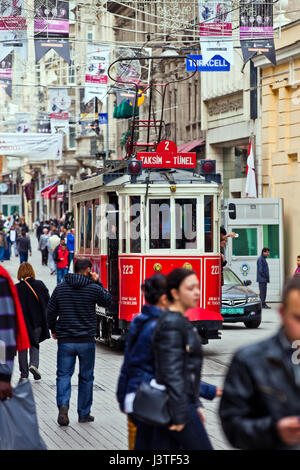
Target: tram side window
[[89, 227], [209, 223], [97, 225], [82, 209], [135, 224], [160, 223], [186, 223]]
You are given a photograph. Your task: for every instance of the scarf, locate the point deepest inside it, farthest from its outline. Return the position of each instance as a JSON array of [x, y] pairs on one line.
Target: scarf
[[22, 339]]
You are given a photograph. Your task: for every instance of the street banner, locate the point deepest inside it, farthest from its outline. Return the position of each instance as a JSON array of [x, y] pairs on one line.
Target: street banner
[[6, 85], [59, 103], [6, 67], [58, 125], [37, 147], [43, 123], [96, 78], [88, 115], [131, 71], [256, 29], [13, 15], [216, 30], [51, 18], [251, 190], [42, 46], [216, 64], [22, 122], [13, 41]]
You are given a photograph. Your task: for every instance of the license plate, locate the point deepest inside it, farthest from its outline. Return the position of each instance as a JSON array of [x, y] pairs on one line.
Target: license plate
[[232, 310]]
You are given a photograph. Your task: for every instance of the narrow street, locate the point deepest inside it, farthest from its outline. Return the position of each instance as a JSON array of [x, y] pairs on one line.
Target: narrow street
[[109, 431]]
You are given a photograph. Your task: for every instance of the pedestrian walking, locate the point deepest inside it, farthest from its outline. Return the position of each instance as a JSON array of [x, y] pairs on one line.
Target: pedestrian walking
[[260, 406], [43, 246], [24, 246], [178, 363], [138, 365], [71, 246], [263, 276], [61, 258], [53, 242], [23, 225], [34, 298], [297, 271], [3, 244], [72, 320], [13, 239], [13, 332], [8, 223]]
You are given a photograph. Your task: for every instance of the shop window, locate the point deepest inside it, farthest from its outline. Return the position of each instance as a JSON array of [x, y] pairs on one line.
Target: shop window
[[246, 243], [271, 240], [209, 223], [186, 223], [135, 224], [160, 223]]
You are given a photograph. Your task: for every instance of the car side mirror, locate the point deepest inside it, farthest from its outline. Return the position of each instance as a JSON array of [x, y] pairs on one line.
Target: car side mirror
[[247, 283]]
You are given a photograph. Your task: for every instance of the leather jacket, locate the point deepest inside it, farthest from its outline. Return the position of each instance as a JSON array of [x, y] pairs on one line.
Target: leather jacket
[[262, 386], [178, 363]]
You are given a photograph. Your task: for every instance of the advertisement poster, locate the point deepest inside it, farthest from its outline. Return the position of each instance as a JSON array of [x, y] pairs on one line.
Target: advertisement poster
[[51, 18], [130, 70], [59, 103], [22, 122], [98, 56], [215, 18], [12, 15], [256, 19], [6, 67]]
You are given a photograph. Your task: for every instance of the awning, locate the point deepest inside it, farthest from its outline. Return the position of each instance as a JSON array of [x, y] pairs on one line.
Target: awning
[[51, 193], [50, 185], [190, 146]]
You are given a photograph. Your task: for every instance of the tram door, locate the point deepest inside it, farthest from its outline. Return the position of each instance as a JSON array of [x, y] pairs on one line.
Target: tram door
[[112, 252]]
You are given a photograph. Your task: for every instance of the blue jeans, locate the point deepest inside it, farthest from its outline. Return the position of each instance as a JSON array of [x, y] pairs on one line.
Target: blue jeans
[[23, 257], [2, 253], [71, 258], [61, 272], [66, 358]]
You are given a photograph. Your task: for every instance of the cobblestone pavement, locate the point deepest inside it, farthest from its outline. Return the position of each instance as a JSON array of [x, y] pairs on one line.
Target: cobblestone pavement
[[109, 430]]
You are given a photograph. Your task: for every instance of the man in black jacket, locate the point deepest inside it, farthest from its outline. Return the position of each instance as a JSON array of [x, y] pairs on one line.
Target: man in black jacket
[[260, 406], [72, 320]]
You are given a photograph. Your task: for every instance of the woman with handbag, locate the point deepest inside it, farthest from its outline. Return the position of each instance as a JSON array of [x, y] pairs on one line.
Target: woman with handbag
[[34, 297], [138, 364], [178, 362]]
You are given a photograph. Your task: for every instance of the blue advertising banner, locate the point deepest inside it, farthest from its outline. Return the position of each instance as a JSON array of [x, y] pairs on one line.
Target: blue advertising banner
[[103, 118], [216, 64]]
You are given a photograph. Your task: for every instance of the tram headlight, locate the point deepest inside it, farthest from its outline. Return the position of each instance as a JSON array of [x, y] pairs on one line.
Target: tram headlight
[[207, 168], [134, 169]]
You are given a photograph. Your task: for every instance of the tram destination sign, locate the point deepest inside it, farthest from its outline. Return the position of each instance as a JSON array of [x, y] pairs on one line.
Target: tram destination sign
[[167, 156]]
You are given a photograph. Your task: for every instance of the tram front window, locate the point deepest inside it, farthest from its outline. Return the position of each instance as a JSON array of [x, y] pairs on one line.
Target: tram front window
[[209, 223], [160, 223], [135, 224], [186, 223]]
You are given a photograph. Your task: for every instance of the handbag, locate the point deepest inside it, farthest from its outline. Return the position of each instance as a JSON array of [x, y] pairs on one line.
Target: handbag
[[19, 429], [151, 404]]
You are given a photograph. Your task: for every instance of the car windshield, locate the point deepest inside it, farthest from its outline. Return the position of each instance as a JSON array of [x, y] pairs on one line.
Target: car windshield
[[231, 279]]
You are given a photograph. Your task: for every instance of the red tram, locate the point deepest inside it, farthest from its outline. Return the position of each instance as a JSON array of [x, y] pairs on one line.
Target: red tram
[[165, 219]]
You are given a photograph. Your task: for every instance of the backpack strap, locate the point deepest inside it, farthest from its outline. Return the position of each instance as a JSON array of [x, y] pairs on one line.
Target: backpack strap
[[32, 290]]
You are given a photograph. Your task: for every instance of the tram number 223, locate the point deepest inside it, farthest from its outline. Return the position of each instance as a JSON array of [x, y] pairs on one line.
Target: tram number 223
[[215, 270], [127, 269]]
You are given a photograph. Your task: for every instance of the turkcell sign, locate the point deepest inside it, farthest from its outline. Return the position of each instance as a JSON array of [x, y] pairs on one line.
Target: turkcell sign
[[216, 64], [167, 160]]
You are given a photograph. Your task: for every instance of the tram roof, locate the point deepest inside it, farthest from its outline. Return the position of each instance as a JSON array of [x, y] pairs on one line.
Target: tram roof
[[174, 176]]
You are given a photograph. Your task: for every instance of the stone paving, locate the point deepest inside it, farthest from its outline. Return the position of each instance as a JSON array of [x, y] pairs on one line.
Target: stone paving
[[109, 430]]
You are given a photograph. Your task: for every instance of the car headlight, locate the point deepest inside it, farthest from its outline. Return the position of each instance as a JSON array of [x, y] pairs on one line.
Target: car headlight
[[252, 299]]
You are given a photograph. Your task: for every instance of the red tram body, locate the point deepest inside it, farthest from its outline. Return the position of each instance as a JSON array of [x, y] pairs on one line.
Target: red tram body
[[166, 219]]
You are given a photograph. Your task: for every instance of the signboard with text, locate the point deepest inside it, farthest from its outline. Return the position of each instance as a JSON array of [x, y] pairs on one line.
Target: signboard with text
[[216, 64], [167, 156]]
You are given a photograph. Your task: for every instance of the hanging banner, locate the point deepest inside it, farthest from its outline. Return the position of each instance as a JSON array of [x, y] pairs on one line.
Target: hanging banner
[[42, 46], [6, 67], [59, 103], [216, 30], [22, 122], [51, 18], [96, 78], [6, 85], [256, 29], [43, 123], [88, 116], [37, 147], [13, 41], [58, 125], [13, 15]]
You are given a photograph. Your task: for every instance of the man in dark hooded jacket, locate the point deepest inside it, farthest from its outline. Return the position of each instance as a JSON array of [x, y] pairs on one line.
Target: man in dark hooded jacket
[[72, 319]]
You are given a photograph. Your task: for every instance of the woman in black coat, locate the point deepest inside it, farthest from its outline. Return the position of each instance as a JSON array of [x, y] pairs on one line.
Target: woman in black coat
[[34, 297], [178, 364]]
